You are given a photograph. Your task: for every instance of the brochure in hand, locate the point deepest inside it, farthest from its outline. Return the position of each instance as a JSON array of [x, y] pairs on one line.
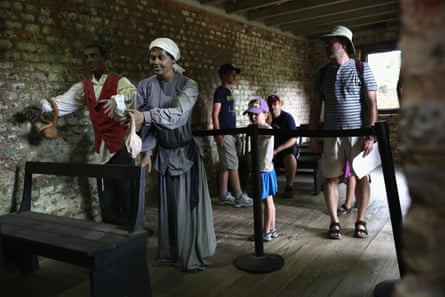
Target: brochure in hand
[[364, 165]]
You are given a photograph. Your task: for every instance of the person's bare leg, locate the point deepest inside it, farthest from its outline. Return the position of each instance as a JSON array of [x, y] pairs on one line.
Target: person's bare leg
[[234, 182], [330, 193], [269, 214], [290, 168], [363, 192], [350, 191], [223, 180]]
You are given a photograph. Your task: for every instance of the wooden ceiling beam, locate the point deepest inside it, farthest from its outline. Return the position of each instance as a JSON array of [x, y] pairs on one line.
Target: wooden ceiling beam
[[353, 24], [338, 19], [288, 7], [244, 5], [359, 28], [311, 18], [365, 7], [205, 2]]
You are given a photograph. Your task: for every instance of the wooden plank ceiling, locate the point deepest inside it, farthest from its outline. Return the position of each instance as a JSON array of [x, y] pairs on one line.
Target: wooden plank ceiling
[[311, 18]]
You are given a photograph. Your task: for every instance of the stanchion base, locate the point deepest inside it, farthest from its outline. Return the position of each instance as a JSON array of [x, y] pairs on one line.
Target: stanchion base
[[385, 288], [253, 264]]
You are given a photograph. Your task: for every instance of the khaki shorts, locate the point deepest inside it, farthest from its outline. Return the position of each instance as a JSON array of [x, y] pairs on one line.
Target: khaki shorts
[[228, 155], [336, 150]]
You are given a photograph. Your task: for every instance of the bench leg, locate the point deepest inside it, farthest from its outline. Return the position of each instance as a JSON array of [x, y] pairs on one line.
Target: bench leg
[[106, 282], [27, 262], [127, 278], [318, 181], [137, 280], [2, 277]]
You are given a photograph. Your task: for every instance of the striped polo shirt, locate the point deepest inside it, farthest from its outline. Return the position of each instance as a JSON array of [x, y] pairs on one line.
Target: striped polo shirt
[[341, 90]]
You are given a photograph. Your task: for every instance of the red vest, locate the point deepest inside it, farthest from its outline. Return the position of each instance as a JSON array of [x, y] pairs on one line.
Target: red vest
[[105, 128]]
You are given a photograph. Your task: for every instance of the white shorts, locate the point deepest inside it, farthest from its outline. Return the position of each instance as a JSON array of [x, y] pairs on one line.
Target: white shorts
[[336, 150]]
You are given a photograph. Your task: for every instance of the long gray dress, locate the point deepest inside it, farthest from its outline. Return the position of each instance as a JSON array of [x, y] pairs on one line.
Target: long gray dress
[[186, 230]]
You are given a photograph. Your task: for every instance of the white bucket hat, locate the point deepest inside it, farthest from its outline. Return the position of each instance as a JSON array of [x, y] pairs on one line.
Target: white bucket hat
[[342, 31]]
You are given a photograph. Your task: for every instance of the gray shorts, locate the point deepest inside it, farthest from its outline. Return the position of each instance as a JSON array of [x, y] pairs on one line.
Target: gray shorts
[[228, 155], [336, 150]]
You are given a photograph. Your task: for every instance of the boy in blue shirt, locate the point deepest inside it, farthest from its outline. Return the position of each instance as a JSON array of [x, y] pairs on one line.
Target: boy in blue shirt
[[224, 117]]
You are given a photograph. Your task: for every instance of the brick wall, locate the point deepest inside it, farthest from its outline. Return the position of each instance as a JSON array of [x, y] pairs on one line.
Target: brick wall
[[41, 49]]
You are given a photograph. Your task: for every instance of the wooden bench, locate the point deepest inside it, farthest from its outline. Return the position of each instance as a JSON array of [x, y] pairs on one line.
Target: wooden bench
[[310, 163], [115, 255]]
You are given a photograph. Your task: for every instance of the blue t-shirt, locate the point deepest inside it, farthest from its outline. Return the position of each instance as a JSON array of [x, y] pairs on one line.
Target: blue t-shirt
[[227, 114], [284, 121]]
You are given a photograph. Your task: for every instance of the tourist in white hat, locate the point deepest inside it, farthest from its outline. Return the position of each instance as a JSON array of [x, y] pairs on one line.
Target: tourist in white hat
[[165, 103], [348, 89]]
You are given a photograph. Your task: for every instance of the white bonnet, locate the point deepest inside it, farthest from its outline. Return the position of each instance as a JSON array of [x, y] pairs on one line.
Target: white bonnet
[[170, 47], [167, 45]]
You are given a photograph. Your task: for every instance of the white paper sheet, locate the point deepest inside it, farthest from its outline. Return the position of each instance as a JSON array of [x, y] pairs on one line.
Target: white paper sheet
[[364, 165]]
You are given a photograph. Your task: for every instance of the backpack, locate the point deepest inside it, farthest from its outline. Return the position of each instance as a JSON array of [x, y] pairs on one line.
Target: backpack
[[359, 68]]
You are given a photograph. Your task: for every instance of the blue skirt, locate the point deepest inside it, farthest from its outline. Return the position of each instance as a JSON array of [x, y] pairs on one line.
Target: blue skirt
[[269, 184]]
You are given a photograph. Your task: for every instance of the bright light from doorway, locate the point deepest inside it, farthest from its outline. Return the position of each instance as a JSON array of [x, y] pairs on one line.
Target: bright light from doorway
[[386, 69]]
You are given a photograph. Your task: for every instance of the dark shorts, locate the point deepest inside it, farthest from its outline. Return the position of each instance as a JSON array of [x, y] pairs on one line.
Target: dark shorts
[[294, 150]]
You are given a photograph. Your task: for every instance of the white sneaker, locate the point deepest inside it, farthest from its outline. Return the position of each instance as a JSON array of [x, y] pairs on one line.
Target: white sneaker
[[227, 199], [243, 200], [266, 237], [274, 233]]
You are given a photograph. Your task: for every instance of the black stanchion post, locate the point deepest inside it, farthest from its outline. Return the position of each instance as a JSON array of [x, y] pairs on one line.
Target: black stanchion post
[[259, 262], [381, 129], [2, 281], [257, 214]]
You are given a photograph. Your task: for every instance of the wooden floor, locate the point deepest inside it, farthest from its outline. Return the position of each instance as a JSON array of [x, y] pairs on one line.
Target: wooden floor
[[313, 265]]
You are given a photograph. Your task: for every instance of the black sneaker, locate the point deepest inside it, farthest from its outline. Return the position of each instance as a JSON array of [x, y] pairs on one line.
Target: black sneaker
[[288, 192]]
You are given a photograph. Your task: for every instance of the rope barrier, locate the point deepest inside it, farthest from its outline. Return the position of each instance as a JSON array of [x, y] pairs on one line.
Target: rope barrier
[[260, 262]]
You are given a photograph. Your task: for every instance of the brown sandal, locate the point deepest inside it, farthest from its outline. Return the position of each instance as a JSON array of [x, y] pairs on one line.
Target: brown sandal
[[361, 232], [334, 233]]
